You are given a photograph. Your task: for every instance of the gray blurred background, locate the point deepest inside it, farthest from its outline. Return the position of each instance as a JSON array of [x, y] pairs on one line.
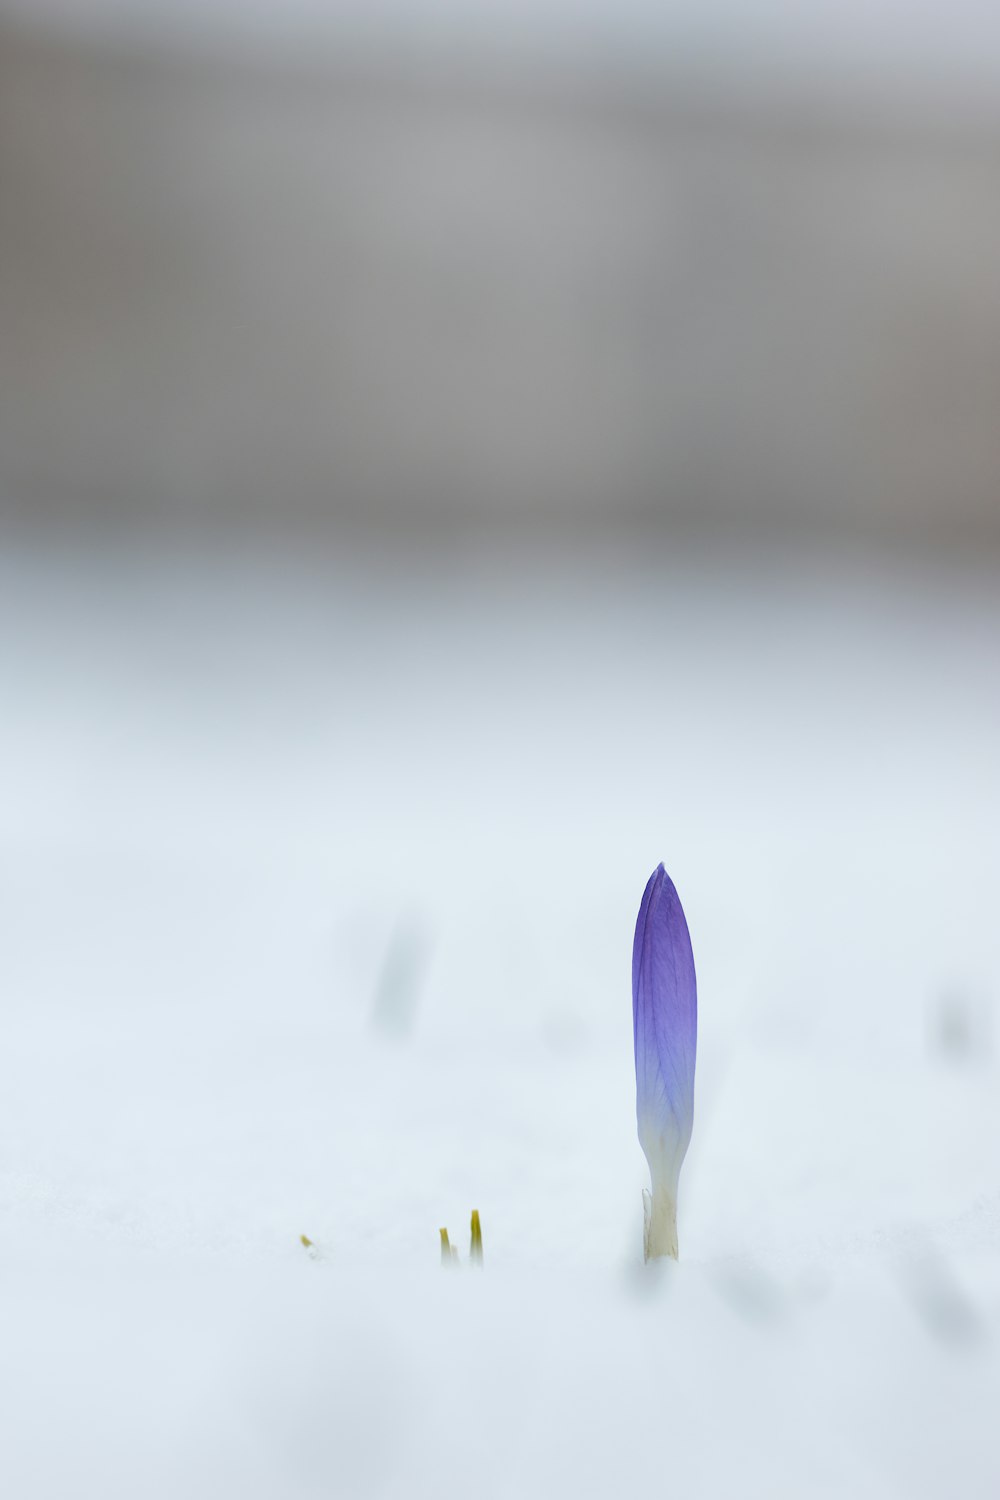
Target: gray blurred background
[[547, 266]]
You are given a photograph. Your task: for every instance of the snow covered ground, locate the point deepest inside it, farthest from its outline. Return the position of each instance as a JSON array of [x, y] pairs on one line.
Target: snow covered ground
[[318, 878]]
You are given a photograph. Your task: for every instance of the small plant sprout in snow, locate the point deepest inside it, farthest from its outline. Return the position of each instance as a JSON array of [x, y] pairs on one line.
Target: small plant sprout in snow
[[476, 1240], [449, 1254], [665, 1027]]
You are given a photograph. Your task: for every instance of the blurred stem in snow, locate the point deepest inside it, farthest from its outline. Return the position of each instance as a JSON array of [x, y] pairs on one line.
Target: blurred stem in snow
[[397, 993]]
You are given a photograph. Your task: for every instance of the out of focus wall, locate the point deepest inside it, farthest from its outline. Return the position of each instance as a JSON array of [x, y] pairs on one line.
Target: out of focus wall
[[349, 291]]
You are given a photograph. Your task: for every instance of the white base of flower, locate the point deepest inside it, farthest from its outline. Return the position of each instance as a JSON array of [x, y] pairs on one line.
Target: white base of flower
[[659, 1230]]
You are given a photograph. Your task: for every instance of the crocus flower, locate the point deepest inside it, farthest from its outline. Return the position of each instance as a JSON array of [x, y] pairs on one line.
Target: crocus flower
[[665, 1024]]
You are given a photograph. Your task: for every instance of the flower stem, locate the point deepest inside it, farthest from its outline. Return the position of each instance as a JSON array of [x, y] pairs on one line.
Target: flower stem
[[659, 1233]]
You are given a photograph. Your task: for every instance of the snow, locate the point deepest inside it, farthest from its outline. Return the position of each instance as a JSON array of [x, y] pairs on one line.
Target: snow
[[318, 877]]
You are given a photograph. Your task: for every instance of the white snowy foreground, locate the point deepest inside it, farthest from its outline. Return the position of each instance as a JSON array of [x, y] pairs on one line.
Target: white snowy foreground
[[318, 880]]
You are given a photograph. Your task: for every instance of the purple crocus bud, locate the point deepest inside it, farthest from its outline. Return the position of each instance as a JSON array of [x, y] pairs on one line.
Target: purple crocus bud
[[665, 1024]]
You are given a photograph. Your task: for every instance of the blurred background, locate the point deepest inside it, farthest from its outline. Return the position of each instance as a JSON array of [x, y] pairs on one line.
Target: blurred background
[[453, 457], [531, 266]]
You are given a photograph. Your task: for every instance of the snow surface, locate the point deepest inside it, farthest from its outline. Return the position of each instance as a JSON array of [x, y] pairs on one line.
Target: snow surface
[[318, 878]]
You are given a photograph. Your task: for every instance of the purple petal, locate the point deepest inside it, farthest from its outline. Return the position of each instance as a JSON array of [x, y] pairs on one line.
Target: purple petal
[[665, 1023]]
